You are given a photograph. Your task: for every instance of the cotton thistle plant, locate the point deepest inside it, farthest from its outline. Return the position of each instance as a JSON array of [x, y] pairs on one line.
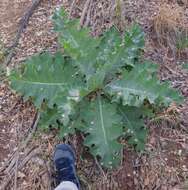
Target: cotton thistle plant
[[98, 86]]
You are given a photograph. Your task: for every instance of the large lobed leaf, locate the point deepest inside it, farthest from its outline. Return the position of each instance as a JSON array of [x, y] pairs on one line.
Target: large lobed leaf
[[98, 56], [77, 42], [49, 78], [103, 126], [138, 85], [134, 126]]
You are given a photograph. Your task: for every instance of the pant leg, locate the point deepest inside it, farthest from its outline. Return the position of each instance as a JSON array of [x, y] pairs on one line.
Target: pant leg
[[66, 185]]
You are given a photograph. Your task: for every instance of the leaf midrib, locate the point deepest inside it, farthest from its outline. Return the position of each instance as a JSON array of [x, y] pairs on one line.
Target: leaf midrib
[[40, 83], [102, 121]]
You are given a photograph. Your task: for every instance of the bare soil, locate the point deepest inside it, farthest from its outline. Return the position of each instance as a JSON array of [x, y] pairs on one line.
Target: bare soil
[[163, 165]]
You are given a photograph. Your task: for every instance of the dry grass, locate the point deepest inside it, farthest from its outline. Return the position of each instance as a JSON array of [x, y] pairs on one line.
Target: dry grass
[[2, 52], [170, 26], [185, 2]]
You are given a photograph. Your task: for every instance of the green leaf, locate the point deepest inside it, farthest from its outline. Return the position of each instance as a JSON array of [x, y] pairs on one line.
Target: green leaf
[[185, 66], [52, 117], [46, 77], [67, 109], [2, 72], [49, 117], [135, 130], [148, 66], [182, 43], [77, 43], [107, 53], [66, 130], [135, 86], [59, 18], [116, 52], [110, 50], [134, 37], [103, 126], [96, 81], [134, 42]]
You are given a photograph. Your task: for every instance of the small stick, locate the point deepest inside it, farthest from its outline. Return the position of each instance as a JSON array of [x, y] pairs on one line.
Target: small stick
[[20, 166], [17, 157], [25, 21], [28, 157], [16, 172], [100, 168], [84, 12], [88, 15], [7, 163], [71, 9], [49, 174], [33, 128], [12, 161], [23, 24]]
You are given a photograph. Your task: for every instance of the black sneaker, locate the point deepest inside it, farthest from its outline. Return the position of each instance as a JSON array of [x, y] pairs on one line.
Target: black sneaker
[[64, 161]]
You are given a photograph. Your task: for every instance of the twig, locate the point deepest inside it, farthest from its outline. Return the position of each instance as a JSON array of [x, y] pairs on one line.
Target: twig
[[12, 163], [100, 168], [8, 162], [33, 128], [27, 152], [12, 160], [25, 20], [20, 166], [28, 157], [15, 166], [14, 105], [23, 24], [88, 15], [49, 175], [17, 155], [84, 12], [16, 172], [169, 69], [72, 7]]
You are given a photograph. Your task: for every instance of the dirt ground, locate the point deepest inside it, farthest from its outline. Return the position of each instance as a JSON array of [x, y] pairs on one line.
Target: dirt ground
[[25, 163]]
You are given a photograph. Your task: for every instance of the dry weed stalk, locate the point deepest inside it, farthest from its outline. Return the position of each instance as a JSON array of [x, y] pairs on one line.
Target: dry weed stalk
[[170, 26]]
